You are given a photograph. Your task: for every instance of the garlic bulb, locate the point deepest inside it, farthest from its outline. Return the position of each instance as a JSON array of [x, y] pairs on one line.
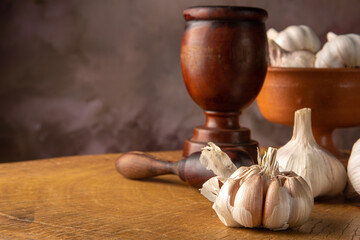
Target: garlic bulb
[[354, 167], [260, 195], [340, 51], [305, 157], [282, 58], [295, 38]]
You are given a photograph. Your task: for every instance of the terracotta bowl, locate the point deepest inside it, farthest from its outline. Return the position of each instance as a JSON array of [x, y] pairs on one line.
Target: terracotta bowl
[[332, 94]]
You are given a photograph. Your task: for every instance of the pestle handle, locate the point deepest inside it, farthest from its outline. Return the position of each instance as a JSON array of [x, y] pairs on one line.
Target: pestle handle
[[140, 165]]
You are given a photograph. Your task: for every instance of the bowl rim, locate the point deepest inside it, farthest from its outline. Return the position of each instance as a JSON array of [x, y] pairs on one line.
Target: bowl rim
[[332, 70]]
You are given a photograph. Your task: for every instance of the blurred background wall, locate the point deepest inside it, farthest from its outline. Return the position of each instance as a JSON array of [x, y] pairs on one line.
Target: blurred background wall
[[100, 76]]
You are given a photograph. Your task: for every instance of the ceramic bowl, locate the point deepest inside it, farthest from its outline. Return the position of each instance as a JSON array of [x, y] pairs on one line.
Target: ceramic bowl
[[333, 94]]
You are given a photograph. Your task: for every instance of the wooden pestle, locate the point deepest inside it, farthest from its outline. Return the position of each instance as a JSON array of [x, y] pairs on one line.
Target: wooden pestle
[[140, 165]]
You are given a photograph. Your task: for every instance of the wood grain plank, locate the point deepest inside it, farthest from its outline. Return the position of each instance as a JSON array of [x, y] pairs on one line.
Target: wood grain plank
[[84, 197]]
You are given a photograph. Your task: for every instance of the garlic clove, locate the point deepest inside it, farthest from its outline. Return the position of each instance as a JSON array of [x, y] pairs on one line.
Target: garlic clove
[[277, 206], [221, 204], [230, 188], [247, 206], [306, 184], [302, 200], [217, 161]]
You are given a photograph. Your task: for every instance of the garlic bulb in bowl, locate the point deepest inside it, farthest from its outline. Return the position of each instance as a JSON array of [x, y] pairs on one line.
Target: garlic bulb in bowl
[[302, 155], [296, 59], [295, 38], [295, 47], [354, 167], [340, 51]]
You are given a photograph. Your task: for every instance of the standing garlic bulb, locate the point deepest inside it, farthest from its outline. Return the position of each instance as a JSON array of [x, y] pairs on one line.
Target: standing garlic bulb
[[305, 157], [354, 167], [340, 51], [295, 38], [258, 195]]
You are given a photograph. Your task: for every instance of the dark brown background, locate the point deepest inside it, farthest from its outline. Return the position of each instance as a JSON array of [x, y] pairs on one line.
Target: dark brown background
[[91, 76]]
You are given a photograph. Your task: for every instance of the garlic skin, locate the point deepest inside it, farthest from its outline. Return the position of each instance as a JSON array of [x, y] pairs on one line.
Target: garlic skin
[[211, 188], [296, 59], [340, 51], [302, 155], [261, 196], [295, 38], [216, 160], [354, 167]]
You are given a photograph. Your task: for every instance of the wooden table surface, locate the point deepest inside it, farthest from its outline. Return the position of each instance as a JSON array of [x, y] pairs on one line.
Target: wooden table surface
[[84, 197]]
